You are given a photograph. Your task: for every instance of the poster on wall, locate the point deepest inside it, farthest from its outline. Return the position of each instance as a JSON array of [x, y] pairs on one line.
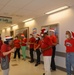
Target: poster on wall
[[4, 19], [55, 27], [34, 31], [24, 31]]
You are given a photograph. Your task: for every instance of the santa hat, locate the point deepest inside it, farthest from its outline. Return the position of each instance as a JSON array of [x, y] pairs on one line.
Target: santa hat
[[52, 30], [72, 34], [43, 31], [22, 35], [7, 38]]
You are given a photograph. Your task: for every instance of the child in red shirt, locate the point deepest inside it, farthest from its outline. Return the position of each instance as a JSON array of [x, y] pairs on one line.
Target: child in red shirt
[[23, 45], [37, 49], [31, 43], [1, 42], [6, 51], [54, 42], [17, 46], [46, 48], [69, 43]]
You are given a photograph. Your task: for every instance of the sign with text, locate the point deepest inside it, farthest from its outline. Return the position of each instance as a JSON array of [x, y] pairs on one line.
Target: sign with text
[[5, 19]]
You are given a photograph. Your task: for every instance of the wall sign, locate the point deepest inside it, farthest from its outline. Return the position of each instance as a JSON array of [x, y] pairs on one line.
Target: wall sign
[[34, 30], [53, 26], [5, 19]]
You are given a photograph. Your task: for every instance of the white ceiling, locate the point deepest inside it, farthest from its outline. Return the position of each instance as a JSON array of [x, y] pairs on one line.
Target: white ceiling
[[24, 9]]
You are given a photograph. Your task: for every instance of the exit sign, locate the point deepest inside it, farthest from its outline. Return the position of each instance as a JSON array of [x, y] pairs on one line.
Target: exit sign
[[5, 19]]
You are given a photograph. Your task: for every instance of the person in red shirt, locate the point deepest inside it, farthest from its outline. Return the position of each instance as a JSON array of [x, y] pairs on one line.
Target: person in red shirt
[[37, 49], [17, 46], [69, 44], [1, 42], [46, 48], [6, 51], [31, 43], [54, 42], [23, 46]]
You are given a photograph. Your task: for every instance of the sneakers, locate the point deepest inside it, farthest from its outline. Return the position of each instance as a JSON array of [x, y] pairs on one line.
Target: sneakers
[[43, 73], [23, 59], [53, 70], [31, 61], [37, 64]]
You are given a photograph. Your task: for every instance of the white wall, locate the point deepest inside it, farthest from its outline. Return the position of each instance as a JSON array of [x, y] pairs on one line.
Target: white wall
[[65, 19]]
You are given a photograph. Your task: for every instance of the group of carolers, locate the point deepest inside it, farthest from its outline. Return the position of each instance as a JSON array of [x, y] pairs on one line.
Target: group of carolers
[[43, 43], [34, 45], [47, 45], [20, 44]]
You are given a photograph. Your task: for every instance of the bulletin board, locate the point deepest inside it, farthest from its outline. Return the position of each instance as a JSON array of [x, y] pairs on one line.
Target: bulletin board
[[53, 26], [25, 31]]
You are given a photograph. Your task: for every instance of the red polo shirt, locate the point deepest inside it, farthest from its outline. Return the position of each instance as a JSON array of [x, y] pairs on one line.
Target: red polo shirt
[[23, 42], [53, 38], [36, 44], [6, 48], [17, 43], [32, 40], [69, 43], [0, 46], [46, 42]]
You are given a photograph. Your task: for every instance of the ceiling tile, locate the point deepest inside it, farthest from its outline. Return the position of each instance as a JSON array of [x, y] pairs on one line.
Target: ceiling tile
[[24, 9]]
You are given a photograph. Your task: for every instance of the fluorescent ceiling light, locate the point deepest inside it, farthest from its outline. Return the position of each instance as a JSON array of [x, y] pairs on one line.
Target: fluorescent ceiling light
[[57, 10], [28, 20], [13, 24]]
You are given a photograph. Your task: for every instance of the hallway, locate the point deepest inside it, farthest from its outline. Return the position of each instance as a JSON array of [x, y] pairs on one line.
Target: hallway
[[20, 67]]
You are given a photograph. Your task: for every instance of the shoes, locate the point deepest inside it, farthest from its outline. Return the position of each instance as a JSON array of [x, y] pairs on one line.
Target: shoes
[[31, 61], [14, 58], [36, 64], [43, 73], [53, 70], [39, 63], [24, 59]]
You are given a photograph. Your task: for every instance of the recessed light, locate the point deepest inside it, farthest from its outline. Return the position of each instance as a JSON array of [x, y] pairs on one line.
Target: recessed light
[[57, 10], [28, 20], [13, 24]]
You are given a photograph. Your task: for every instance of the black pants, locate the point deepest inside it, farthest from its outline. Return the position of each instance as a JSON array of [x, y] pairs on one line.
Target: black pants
[[38, 55], [17, 52], [31, 54], [53, 66]]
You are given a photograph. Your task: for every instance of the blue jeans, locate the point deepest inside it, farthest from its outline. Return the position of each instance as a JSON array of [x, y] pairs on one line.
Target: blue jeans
[[69, 62]]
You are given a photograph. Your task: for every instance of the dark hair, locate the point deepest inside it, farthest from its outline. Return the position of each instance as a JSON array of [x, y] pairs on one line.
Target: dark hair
[[7, 41], [68, 32], [46, 33], [37, 41]]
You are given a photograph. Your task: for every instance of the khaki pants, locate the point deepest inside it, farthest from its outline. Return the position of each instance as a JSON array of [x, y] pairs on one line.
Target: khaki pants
[[47, 62], [6, 72]]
